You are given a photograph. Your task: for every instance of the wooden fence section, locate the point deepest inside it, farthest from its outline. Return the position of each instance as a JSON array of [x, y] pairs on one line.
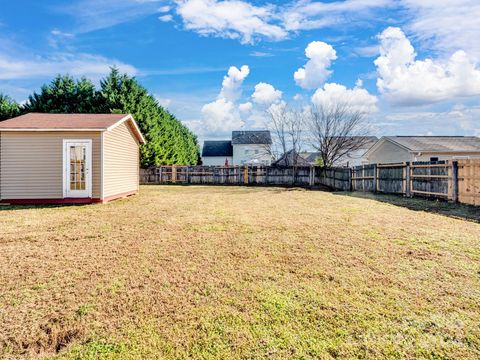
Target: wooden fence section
[[456, 180], [337, 178], [417, 179], [469, 182]]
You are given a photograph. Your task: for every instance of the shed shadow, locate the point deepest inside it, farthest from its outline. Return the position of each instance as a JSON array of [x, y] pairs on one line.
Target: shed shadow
[[435, 206], [8, 207]]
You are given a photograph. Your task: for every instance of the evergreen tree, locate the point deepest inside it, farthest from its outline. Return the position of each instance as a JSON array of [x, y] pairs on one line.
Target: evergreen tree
[[8, 107], [64, 95], [168, 140]]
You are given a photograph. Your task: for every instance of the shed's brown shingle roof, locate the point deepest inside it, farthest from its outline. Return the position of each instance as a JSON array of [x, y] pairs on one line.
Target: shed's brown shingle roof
[[62, 121]]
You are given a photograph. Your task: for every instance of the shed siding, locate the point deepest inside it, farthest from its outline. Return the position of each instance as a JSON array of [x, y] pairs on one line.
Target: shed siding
[[121, 161], [32, 164]]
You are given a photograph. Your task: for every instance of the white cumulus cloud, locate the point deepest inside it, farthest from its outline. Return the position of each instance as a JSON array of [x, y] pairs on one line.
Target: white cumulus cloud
[[232, 82], [357, 99], [245, 107], [408, 81], [266, 94], [232, 19], [223, 115], [316, 70]]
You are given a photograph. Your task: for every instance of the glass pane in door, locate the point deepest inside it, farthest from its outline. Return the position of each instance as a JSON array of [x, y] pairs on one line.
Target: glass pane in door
[[78, 157]]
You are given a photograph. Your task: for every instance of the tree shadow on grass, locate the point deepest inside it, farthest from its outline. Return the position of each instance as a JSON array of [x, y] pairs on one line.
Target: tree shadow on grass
[[436, 206]]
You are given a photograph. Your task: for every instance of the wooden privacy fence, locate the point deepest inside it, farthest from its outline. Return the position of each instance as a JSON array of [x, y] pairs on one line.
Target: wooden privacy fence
[[308, 176], [449, 180]]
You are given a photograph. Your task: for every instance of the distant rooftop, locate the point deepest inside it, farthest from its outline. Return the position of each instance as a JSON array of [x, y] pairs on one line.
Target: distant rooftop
[[217, 148], [438, 143], [291, 158], [251, 137]]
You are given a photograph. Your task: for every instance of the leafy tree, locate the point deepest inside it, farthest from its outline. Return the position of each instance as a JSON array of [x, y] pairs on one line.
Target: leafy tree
[[64, 95], [168, 140], [8, 107]]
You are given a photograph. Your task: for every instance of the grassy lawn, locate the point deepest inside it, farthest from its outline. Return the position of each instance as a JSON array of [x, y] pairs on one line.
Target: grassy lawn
[[231, 272]]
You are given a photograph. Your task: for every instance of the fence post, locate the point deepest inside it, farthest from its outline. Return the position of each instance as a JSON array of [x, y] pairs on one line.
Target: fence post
[[408, 182], [174, 174], [375, 178], [454, 181], [363, 178], [312, 175], [350, 181], [245, 175]]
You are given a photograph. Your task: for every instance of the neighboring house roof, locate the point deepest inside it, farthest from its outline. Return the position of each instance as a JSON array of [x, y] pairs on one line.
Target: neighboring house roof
[[69, 122], [434, 144], [251, 137], [311, 157], [217, 148], [366, 141], [369, 141], [288, 159]]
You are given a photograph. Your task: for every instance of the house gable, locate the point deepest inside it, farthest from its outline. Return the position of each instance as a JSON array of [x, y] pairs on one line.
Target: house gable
[[387, 151]]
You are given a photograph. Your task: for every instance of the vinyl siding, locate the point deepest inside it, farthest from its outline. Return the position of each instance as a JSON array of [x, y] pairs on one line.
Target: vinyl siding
[[389, 152], [121, 161], [251, 153], [32, 164], [216, 160]]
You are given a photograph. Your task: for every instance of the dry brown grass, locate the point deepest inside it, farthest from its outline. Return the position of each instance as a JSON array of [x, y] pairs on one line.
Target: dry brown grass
[[225, 272]]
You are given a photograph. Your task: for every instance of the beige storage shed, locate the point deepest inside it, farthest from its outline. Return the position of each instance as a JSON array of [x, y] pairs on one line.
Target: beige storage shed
[[68, 158]]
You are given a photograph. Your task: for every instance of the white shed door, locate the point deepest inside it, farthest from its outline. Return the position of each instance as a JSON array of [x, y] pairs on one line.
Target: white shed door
[[77, 165]]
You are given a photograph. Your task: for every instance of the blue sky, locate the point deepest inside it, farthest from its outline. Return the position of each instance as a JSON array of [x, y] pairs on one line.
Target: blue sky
[[217, 65]]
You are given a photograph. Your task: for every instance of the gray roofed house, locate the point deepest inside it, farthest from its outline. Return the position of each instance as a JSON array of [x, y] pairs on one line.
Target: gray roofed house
[[291, 158], [217, 148], [247, 147], [393, 149], [437, 143], [217, 152], [251, 137]]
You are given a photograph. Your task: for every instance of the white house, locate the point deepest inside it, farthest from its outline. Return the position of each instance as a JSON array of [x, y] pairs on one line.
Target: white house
[[252, 147], [218, 153], [246, 147], [396, 149]]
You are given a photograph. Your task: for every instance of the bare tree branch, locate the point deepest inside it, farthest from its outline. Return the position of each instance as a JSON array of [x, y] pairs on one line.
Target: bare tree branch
[[336, 130], [287, 126]]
